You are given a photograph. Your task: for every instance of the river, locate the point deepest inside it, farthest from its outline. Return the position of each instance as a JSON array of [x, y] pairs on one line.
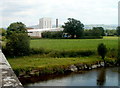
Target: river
[[96, 77]]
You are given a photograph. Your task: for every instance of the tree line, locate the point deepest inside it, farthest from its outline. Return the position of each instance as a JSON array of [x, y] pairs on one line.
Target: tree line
[[75, 29]]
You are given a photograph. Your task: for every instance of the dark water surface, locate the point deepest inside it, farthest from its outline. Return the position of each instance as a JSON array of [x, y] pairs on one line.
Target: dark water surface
[[96, 77]]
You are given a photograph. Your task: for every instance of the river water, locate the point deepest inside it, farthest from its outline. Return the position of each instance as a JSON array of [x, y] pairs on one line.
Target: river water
[[96, 77]]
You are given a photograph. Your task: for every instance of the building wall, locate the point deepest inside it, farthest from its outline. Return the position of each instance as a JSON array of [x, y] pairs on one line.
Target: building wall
[[45, 23], [37, 32]]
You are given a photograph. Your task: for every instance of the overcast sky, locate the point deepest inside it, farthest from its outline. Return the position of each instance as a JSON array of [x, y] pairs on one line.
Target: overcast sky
[[30, 11]]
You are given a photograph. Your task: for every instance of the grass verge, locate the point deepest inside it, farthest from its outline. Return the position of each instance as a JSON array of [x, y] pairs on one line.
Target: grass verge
[[48, 65]]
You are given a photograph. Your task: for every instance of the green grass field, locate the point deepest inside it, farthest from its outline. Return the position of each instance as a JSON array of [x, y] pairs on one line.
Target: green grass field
[[36, 61], [74, 44]]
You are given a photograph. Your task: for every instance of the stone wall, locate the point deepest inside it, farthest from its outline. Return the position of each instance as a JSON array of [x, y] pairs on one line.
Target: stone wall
[[8, 77]]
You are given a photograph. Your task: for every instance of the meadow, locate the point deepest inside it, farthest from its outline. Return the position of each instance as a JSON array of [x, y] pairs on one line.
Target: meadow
[[38, 61], [74, 44]]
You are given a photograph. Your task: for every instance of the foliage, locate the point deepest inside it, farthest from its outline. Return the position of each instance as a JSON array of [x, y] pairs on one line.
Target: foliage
[[112, 53], [71, 53], [118, 30], [2, 32], [63, 53], [88, 32], [17, 27], [18, 43], [94, 33], [98, 31], [52, 35], [102, 50], [74, 28], [38, 51], [3, 39], [112, 32]]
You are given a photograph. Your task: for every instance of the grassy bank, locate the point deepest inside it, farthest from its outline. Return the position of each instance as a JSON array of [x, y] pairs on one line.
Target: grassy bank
[[38, 62], [24, 65]]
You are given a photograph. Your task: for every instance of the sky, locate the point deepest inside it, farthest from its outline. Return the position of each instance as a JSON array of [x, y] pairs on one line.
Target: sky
[[30, 11]]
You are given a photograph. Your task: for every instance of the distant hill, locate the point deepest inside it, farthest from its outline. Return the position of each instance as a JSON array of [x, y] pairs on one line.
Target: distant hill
[[34, 26], [112, 26], [101, 25], [37, 26]]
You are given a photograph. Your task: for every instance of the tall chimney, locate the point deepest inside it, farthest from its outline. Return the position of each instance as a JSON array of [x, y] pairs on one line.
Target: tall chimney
[[56, 23]]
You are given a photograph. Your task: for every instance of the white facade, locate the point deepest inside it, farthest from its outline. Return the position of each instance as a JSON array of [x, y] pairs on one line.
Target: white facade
[[45, 23], [37, 32]]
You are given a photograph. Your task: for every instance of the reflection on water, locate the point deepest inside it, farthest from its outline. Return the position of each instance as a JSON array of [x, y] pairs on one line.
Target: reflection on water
[[98, 77], [101, 77]]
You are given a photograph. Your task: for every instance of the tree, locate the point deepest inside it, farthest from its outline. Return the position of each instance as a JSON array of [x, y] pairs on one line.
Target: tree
[[74, 28], [18, 43], [88, 32], [102, 50], [17, 27], [118, 33], [112, 32], [118, 30], [98, 31], [2, 31]]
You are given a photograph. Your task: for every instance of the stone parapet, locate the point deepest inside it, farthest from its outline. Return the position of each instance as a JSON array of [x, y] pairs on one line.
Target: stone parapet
[[7, 76]]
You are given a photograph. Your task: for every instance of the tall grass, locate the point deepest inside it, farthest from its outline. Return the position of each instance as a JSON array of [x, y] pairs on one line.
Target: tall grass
[[28, 63]]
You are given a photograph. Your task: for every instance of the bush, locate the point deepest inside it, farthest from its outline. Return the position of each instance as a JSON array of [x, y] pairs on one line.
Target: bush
[[112, 53], [60, 54], [38, 51], [102, 50], [52, 35], [71, 53], [3, 38], [18, 44]]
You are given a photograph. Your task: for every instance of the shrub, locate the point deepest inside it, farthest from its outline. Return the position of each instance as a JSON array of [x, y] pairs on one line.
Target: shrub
[[71, 53], [112, 53], [3, 38], [52, 35], [102, 50], [2, 32], [37, 51], [54, 54], [17, 45], [85, 53], [18, 42]]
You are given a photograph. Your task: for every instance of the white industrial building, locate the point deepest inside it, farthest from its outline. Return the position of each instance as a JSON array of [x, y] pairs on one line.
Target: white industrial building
[[45, 24], [38, 32]]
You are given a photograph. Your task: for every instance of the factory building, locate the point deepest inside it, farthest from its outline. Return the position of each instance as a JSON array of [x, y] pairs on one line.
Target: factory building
[[45, 24]]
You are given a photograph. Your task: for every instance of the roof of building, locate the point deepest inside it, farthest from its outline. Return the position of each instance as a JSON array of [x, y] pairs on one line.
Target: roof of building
[[47, 29]]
